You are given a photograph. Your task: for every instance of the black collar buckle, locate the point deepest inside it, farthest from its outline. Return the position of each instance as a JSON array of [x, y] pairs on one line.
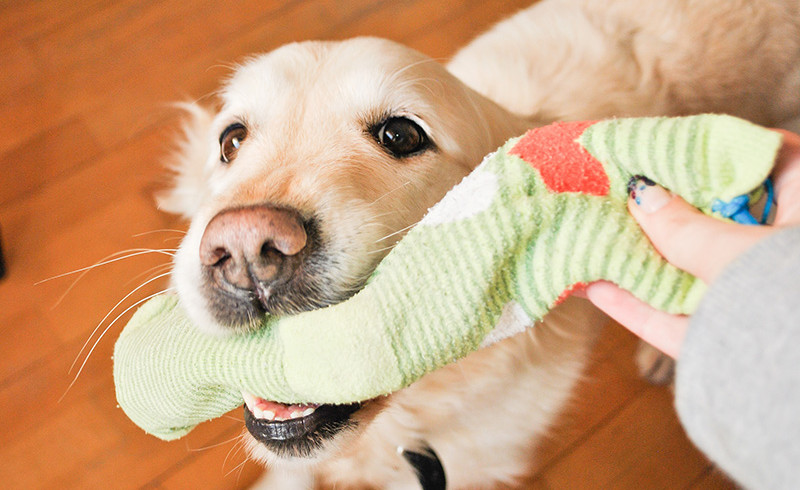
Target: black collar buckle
[[427, 466]]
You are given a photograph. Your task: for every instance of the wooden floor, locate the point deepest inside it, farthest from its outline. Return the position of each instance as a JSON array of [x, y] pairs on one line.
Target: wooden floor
[[84, 91]]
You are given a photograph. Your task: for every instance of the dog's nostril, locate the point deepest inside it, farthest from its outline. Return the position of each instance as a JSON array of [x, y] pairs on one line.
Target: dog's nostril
[[213, 256], [218, 257], [267, 248]]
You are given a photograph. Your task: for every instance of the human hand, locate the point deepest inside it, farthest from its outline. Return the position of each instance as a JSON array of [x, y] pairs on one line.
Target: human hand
[[696, 243]]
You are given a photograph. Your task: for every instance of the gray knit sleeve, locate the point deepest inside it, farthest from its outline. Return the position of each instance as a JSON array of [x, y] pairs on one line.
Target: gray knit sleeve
[[738, 378]]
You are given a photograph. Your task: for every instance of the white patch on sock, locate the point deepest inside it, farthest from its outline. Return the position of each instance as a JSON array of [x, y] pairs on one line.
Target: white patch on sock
[[473, 195], [512, 321]]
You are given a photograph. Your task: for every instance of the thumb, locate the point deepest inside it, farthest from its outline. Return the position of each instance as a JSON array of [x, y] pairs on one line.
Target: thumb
[[688, 239]]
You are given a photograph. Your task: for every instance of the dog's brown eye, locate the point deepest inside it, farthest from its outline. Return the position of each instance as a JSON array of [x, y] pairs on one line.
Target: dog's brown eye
[[230, 140], [401, 136]]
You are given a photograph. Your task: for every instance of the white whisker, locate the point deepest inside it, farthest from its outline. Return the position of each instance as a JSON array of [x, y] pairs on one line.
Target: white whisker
[[163, 230], [110, 259], [109, 314], [172, 239], [390, 192], [241, 469], [401, 230], [388, 213], [211, 446], [105, 261], [393, 77], [234, 450], [236, 467], [153, 270], [94, 346], [380, 250]]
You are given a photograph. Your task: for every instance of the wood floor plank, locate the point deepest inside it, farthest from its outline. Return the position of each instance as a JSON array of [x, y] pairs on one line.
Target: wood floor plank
[[41, 159], [223, 463], [604, 391], [24, 19], [50, 453], [159, 464], [29, 109], [24, 343], [17, 70], [149, 66], [713, 479], [45, 238], [642, 447], [404, 21], [458, 29], [41, 390]]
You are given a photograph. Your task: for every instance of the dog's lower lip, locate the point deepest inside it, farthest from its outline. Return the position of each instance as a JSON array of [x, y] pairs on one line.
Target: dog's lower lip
[[296, 428], [279, 430]]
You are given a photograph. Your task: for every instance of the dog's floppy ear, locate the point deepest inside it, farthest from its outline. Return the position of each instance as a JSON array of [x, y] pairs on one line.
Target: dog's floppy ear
[[189, 163]]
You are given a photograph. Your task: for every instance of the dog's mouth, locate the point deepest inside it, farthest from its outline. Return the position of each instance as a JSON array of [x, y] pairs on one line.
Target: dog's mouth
[[295, 430]]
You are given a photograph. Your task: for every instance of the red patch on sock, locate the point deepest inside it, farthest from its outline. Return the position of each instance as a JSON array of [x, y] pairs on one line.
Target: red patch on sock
[[578, 286], [565, 166]]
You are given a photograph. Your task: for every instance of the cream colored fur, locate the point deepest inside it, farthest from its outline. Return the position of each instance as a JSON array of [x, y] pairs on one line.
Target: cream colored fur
[[305, 106]]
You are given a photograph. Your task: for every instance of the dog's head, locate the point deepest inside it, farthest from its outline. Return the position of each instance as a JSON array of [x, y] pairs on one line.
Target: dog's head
[[320, 157]]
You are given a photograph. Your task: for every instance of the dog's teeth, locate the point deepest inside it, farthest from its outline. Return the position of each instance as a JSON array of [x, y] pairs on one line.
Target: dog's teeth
[[262, 414], [265, 410], [249, 400]]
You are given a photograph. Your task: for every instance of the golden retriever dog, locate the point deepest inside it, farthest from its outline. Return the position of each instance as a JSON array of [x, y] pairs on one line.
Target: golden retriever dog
[[321, 154]]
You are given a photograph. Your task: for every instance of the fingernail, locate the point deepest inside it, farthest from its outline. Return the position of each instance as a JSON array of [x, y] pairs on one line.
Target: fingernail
[[648, 196]]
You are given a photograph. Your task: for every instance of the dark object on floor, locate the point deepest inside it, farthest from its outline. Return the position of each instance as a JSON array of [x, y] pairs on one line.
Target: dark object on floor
[[2, 262]]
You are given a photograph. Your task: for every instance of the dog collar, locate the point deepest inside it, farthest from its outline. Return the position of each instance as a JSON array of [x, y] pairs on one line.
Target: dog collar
[[427, 466]]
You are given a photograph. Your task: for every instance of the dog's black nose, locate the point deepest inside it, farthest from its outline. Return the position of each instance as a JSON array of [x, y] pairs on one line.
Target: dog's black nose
[[256, 244]]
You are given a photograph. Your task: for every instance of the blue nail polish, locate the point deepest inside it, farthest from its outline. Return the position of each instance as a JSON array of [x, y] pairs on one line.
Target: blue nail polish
[[638, 184]]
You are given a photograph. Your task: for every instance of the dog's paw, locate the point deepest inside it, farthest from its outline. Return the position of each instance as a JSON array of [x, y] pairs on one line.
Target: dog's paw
[[654, 366]]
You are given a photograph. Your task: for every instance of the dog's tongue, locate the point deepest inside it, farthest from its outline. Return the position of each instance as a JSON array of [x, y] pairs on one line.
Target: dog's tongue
[[265, 409]]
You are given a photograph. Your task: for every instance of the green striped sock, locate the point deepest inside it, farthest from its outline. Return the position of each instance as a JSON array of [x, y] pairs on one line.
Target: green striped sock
[[544, 213]]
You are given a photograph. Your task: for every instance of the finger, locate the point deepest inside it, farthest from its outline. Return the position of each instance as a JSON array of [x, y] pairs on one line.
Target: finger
[[786, 176], [662, 330], [687, 238]]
